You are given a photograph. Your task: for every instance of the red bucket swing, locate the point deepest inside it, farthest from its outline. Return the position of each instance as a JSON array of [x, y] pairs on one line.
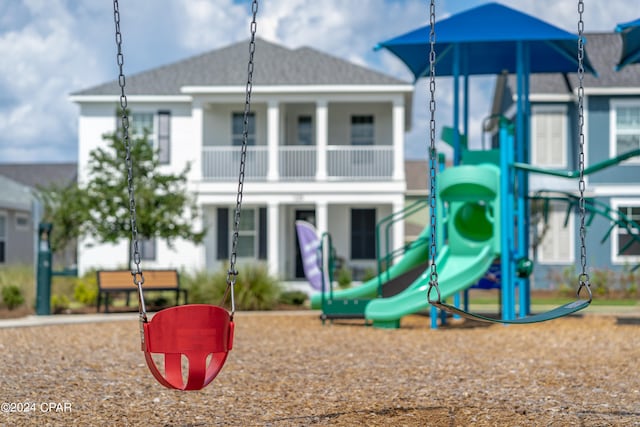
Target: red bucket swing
[[200, 333]]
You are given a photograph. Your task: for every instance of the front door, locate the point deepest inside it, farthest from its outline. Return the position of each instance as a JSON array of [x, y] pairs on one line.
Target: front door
[[308, 215]]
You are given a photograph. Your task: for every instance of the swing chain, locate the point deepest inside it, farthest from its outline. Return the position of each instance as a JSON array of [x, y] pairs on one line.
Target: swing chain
[[433, 279], [136, 273], [232, 273], [583, 278]]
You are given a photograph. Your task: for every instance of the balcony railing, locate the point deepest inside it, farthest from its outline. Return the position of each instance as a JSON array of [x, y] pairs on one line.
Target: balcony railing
[[299, 163], [223, 163], [362, 163]]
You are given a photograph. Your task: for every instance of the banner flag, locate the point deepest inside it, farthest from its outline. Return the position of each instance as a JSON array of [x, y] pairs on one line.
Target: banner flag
[[309, 246]]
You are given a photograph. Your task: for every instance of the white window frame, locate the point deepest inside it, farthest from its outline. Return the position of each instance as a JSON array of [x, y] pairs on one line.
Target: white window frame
[[561, 111], [613, 142], [615, 204], [570, 257]]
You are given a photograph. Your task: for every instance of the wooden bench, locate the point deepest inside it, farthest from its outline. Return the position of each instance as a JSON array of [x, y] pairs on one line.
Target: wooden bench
[[121, 281]]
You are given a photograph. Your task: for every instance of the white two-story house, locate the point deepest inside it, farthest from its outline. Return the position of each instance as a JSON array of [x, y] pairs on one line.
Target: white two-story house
[[326, 144]]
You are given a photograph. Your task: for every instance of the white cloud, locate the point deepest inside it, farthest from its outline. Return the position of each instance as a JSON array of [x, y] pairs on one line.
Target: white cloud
[[51, 48]]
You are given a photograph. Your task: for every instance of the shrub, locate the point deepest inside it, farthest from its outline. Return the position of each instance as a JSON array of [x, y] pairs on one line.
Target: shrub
[[22, 277], [344, 277], [255, 289], [12, 296], [85, 290], [59, 303], [293, 298]]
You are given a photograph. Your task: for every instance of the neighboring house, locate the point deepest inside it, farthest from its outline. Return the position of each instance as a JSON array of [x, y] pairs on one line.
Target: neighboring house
[[16, 228], [326, 144], [612, 127], [20, 211]]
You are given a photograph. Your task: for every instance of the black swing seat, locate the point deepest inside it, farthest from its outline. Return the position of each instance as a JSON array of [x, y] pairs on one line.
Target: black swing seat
[[563, 310]]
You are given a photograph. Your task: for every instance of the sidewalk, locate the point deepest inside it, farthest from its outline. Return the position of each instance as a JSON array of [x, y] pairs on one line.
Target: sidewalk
[[625, 311], [61, 319]]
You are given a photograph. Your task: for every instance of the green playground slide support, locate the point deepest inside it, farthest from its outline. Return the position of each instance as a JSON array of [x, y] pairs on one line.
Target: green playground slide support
[[576, 173]]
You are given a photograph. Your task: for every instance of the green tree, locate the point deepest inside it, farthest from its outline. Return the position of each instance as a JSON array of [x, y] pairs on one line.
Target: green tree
[[66, 208], [164, 209]]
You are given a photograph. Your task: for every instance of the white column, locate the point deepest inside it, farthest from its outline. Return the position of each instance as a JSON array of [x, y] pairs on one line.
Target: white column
[[322, 139], [398, 139], [322, 217], [197, 118], [398, 226], [273, 237], [273, 139]]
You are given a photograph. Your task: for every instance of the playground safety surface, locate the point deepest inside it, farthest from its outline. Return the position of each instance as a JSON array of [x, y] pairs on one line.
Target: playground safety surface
[[286, 369]]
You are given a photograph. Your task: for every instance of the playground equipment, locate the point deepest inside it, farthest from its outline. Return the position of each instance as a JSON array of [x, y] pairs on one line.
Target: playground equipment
[[509, 206], [202, 333]]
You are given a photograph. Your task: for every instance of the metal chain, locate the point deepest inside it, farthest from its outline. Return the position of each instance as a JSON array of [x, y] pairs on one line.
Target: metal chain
[[433, 278], [584, 276], [138, 277], [232, 273]]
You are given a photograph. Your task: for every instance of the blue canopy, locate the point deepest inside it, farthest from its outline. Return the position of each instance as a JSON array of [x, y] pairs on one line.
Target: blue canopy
[[487, 38], [630, 33]]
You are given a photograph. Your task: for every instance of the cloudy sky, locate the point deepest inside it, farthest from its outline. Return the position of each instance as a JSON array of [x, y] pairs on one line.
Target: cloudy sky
[[50, 48]]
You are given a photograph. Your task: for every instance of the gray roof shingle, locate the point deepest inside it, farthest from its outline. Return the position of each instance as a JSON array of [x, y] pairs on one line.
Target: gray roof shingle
[[274, 65], [36, 175], [603, 49]]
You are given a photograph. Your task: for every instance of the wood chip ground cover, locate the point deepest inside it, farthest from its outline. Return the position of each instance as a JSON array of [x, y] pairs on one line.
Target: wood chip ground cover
[[287, 369]]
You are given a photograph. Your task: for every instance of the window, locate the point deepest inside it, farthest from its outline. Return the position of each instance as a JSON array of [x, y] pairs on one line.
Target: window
[[625, 127], [549, 134], [164, 137], [626, 241], [362, 130], [141, 123], [557, 244], [158, 132], [305, 130], [22, 222], [363, 233], [252, 233], [237, 129], [146, 249], [3, 237], [247, 234]]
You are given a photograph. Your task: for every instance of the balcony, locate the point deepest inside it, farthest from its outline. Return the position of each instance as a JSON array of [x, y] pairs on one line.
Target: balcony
[[300, 163]]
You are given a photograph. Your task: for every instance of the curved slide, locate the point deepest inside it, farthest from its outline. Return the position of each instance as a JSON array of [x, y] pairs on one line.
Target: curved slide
[[456, 273], [473, 234], [416, 254]]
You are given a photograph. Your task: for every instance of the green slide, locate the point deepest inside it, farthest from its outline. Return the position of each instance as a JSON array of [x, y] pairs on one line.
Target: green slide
[[471, 220], [455, 274], [417, 253]]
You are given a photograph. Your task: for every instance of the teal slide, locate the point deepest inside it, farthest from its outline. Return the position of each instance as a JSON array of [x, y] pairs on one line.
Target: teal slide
[[471, 218], [417, 253], [455, 274]]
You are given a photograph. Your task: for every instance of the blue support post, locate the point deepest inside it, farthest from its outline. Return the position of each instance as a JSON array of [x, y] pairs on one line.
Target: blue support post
[[456, 105], [506, 219], [525, 284]]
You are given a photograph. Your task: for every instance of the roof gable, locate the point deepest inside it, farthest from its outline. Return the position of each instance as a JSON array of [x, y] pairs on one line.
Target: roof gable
[[274, 65]]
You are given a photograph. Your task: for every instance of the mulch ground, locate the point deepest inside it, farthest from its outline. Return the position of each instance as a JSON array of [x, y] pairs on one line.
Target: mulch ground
[[287, 369]]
